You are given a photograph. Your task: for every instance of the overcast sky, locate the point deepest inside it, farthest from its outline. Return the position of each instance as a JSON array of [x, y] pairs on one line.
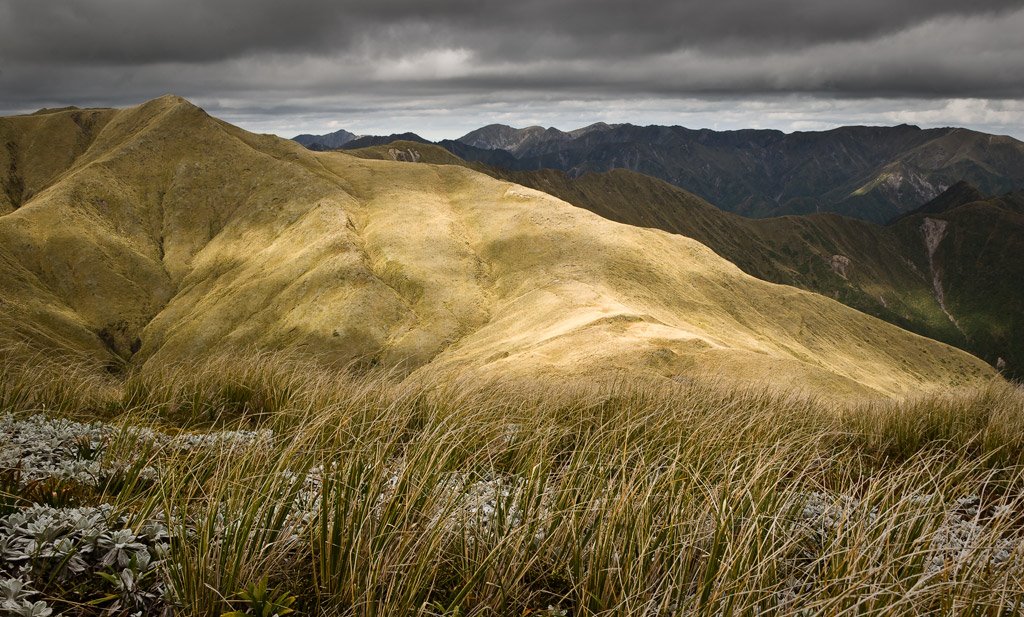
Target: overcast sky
[[442, 68]]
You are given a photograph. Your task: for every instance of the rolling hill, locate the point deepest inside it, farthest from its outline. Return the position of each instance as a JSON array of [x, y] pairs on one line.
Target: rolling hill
[[158, 235], [884, 271]]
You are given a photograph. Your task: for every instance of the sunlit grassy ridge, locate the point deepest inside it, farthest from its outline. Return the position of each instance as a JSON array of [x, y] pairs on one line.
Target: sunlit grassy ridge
[[159, 235], [882, 270], [368, 496]]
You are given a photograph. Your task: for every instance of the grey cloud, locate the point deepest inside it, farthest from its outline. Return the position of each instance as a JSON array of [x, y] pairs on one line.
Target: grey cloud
[[976, 57], [264, 59], [145, 31], [965, 57]]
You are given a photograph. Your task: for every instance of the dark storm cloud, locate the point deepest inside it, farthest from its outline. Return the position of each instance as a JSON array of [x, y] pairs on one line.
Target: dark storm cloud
[[140, 31], [321, 54]]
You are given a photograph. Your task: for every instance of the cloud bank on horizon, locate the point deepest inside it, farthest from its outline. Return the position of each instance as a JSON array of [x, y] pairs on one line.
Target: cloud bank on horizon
[[441, 68]]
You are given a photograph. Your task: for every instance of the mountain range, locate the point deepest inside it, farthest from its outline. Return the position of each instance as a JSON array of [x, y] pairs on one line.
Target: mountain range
[[871, 173], [867, 172], [140, 238]]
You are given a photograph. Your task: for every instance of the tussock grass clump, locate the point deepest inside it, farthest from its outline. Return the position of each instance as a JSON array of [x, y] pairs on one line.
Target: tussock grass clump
[[72, 388], [277, 481], [983, 424]]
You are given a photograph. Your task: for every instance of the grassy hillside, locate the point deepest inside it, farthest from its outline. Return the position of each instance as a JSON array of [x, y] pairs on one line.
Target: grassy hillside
[[861, 264], [174, 236], [881, 270]]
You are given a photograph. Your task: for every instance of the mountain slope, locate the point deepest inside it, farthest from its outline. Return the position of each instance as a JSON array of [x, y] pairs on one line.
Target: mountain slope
[[171, 236], [872, 173], [884, 271], [974, 264], [957, 195]]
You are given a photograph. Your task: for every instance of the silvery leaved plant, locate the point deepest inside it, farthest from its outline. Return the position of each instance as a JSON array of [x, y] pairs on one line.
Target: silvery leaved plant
[[61, 547], [41, 448], [16, 599]]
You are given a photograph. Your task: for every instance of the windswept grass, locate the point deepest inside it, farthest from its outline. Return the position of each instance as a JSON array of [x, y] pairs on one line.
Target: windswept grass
[[366, 496]]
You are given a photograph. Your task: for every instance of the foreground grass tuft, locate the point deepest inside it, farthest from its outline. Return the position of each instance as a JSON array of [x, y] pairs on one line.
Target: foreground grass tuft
[[269, 485]]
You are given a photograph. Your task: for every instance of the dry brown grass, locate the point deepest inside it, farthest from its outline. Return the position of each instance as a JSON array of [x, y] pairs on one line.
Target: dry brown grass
[[598, 498]]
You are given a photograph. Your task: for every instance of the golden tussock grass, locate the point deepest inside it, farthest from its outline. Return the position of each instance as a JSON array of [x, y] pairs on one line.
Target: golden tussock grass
[[374, 496]]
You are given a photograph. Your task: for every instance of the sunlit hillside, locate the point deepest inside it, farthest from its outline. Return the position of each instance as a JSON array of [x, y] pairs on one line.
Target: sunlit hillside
[[158, 235], [961, 286]]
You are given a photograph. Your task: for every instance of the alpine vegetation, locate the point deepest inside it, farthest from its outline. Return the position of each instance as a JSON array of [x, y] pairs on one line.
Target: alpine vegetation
[[264, 486], [762, 364]]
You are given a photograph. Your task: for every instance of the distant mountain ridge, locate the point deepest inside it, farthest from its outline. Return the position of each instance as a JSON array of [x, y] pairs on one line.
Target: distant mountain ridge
[[365, 141], [343, 139], [871, 173], [520, 141], [874, 173], [330, 141]]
